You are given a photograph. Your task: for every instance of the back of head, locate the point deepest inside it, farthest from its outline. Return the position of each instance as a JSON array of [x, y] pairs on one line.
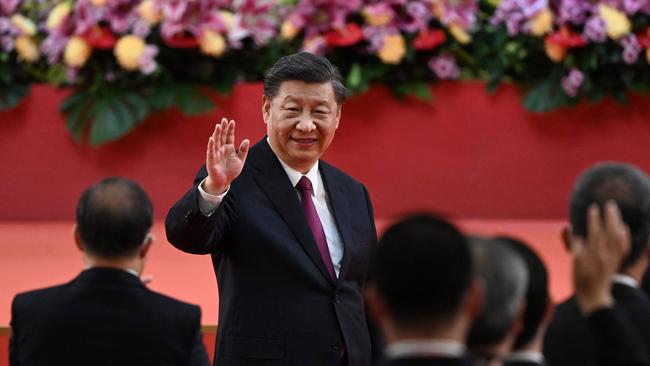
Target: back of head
[[113, 218], [422, 269], [628, 186], [505, 278], [306, 67], [536, 292]]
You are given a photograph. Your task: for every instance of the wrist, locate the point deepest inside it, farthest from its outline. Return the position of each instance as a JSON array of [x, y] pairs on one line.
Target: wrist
[[210, 187], [590, 304]]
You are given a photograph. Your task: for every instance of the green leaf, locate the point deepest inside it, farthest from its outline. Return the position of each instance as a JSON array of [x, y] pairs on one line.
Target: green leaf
[[13, 95], [418, 89], [546, 96], [162, 97], [355, 77], [112, 120], [192, 100]]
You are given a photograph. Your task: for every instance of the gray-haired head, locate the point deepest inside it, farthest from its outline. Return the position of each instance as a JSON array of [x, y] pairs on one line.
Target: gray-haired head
[[307, 67], [628, 186], [505, 278]]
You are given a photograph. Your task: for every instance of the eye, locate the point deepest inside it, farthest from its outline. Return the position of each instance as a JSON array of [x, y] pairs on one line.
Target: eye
[[318, 111], [291, 109]]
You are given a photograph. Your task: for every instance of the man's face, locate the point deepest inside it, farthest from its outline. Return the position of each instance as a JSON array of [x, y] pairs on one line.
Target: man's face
[[300, 122]]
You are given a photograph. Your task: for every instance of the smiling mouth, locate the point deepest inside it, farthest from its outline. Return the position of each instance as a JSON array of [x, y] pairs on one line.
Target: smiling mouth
[[304, 141]]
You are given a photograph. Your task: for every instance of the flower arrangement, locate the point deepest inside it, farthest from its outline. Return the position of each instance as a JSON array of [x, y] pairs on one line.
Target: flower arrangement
[[125, 59]]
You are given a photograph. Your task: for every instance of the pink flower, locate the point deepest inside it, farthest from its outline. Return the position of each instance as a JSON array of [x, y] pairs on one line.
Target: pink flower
[[254, 19], [444, 66]]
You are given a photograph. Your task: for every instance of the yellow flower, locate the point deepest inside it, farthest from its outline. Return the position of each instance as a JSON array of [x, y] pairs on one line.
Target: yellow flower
[[288, 31], [554, 51], [376, 19], [541, 23], [128, 51], [77, 52], [227, 18], [617, 24], [58, 14], [459, 33], [213, 44], [99, 2], [393, 49], [27, 49], [24, 24], [149, 13]]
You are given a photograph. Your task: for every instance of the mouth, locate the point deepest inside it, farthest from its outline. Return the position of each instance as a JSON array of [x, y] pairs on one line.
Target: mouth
[[304, 141]]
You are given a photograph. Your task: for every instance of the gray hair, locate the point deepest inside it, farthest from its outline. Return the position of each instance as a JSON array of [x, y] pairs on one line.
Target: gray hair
[[505, 278]]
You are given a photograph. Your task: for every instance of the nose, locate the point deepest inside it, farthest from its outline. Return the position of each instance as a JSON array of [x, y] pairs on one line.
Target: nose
[[305, 124]]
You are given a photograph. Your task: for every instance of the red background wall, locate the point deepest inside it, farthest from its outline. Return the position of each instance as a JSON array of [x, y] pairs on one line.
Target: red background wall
[[467, 154]]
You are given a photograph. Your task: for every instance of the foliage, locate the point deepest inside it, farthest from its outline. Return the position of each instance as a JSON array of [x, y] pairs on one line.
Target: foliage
[[126, 59]]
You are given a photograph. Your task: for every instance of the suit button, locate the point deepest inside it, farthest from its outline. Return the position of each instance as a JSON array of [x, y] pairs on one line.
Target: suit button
[[336, 347], [337, 299], [187, 215]]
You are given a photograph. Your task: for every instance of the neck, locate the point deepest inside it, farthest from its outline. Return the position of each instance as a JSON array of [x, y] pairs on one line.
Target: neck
[[498, 351], [453, 331], [125, 263]]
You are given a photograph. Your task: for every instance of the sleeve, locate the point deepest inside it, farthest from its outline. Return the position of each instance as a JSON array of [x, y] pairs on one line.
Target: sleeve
[[208, 203], [14, 355], [616, 342], [189, 230]]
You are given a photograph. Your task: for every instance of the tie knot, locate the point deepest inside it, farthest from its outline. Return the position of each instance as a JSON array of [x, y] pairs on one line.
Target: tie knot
[[304, 184]]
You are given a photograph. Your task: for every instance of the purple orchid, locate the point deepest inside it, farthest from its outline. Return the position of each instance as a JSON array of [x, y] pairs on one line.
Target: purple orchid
[[631, 49], [460, 12], [572, 82], [253, 19], [193, 17], [8, 31], [319, 16], [515, 14], [574, 11], [595, 29], [444, 66]]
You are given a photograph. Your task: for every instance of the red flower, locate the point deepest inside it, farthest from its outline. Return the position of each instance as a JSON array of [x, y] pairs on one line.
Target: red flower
[[566, 38], [428, 39], [347, 36], [100, 37], [644, 37], [181, 40]]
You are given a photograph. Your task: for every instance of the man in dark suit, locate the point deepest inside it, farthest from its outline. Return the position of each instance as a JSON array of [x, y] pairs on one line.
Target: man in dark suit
[[570, 339], [423, 292], [289, 235], [106, 316]]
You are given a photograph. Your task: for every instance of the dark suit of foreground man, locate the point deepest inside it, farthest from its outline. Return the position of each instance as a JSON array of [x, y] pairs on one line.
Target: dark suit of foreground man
[[106, 316], [289, 286]]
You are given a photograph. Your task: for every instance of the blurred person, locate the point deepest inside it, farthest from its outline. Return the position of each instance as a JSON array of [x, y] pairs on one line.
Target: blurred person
[[289, 235], [505, 278], [106, 315], [527, 349], [569, 340], [423, 292]]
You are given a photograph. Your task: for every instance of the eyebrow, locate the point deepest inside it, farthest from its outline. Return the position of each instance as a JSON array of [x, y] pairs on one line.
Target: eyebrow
[[290, 98]]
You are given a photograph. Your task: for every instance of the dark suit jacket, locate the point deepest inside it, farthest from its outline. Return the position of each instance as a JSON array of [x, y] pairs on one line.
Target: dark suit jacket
[[573, 340], [430, 361], [104, 317], [278, 305]]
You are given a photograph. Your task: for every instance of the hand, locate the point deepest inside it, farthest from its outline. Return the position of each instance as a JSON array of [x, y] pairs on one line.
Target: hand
[[599, 258], [223, 162]]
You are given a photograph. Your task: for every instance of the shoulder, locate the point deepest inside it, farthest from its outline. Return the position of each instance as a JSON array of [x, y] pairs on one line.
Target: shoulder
[[335, 174], [37, 297], [172, 305]]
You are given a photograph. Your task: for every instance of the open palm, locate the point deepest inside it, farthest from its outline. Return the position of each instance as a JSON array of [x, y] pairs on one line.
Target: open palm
[[223, 161]]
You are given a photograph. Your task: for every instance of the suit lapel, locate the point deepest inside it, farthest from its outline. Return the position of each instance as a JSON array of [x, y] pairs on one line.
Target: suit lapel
[[336, 196], [275, 183]]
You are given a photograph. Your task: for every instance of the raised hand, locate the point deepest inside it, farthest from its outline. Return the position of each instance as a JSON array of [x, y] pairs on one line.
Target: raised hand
[[598, 258], [223, 161]]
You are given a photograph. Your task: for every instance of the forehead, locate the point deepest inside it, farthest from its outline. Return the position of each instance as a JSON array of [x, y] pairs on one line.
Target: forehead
[[294, 90]]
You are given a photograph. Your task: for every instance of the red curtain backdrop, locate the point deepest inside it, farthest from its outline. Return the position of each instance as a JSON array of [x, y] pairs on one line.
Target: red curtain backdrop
[[468, 154]]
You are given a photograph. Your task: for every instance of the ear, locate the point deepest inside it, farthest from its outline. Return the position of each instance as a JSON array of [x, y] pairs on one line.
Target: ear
[[146, 245], [375, 305], [77, 238], [338, 115], [266, 109], [518, 324], [550, 308], [567, 233], [475, 295]]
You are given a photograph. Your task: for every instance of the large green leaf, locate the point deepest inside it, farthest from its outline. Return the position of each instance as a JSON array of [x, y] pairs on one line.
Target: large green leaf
[[112, 120], [546, 96], [192, 100], [12, 95]]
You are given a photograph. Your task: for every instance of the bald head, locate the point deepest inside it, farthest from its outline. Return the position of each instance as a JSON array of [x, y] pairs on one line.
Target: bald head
[[113, 218]]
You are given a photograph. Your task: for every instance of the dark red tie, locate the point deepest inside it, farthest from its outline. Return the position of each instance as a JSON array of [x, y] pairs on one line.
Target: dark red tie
[[305, 188]]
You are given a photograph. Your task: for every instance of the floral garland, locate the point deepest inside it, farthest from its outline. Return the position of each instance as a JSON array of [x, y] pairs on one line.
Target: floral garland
[[126, 59]]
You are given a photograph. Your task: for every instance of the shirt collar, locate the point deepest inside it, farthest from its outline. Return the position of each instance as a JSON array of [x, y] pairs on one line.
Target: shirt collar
[[425, 347], [623, 279], [312, 174], [128, 270], [526, 356]]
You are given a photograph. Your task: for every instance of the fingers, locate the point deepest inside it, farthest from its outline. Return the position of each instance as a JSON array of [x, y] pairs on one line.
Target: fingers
[[595, 235], [243, 149], [617, 230], [224, 131], [230, 133]]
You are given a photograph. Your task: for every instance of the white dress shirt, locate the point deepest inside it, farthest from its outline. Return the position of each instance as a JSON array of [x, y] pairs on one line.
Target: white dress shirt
[[208, 203], [425, 348], [623, 279], [526, 356]]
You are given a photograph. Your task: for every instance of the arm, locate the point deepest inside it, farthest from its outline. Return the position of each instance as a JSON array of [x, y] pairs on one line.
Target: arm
[[617, 344], [187, 227]]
